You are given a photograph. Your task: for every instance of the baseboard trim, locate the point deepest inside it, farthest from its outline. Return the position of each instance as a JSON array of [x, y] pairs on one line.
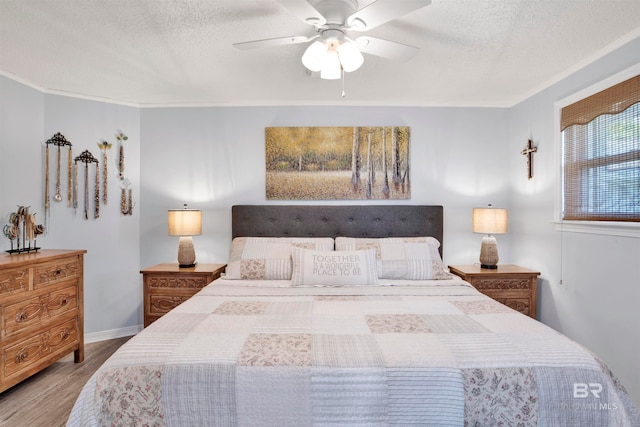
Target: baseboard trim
[[111, 334]]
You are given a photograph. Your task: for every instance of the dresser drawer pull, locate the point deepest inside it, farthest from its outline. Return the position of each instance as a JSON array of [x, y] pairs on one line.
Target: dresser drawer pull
[[21, 356]]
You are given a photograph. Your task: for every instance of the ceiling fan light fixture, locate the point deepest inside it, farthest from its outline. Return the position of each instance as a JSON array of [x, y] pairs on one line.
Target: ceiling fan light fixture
[[350, 57], [331, 68], [314, 56]]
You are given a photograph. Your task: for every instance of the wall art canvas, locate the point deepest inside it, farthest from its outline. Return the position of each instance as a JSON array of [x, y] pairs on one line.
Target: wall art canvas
[[337, 163]]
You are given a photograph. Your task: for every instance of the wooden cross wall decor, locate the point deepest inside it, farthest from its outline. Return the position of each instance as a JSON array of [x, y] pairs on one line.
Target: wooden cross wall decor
[[528, 151]]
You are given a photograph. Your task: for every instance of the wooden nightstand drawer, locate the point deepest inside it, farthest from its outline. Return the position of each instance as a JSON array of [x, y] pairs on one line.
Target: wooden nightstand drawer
[[166, 286], [511, 285], [502, 283]]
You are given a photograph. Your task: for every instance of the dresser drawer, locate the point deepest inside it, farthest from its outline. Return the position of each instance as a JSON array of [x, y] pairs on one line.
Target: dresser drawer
[[40, 347], [55, 272], [14, 281], [36, 310]]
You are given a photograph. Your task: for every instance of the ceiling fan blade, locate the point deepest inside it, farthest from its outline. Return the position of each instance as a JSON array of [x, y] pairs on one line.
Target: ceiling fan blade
[[382, 11], [278, 41], [303, 10], [386, 49]]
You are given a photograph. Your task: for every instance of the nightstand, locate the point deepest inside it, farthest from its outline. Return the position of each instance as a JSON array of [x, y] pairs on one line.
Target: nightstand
[[513, 286], [166, 286]]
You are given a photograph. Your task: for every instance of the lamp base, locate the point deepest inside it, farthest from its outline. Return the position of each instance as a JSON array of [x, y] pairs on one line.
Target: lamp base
[[186, 252], [489, 252]]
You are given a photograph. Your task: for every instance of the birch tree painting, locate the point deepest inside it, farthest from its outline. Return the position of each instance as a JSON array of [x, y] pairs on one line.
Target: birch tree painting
[[337, 163]]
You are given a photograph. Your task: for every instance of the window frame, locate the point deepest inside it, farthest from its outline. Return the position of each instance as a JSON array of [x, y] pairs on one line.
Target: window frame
[[612, 228]]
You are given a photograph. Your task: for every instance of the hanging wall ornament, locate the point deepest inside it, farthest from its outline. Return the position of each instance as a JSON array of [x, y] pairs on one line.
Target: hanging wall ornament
[[46, 182], [104, 146], [69, 175], [96, 194], [126, 197], [86, 157], [59, 141], [74, 196], [126, 192], [121, 137]]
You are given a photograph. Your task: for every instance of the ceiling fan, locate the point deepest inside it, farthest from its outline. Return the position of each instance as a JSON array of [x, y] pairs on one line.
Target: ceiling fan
[[333, 50]]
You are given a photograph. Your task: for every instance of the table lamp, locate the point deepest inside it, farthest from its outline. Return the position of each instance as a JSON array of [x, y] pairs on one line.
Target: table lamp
[[185, 223], [489, 221]]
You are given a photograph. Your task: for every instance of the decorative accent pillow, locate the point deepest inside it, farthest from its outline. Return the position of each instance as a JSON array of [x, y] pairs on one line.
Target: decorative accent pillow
[[313, 268], [268, 258], [407, 258]]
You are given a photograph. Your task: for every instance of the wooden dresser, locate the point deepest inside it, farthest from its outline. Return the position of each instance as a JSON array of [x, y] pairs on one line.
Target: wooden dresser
[[41, 309], [167, 285], [512, 285]]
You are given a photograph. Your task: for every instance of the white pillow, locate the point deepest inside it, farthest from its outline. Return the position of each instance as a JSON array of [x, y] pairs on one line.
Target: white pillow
[[403, 258], [268, 258], [315, 268]]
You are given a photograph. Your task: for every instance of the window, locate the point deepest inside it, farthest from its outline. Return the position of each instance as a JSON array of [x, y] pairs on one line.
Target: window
[[600, 137]]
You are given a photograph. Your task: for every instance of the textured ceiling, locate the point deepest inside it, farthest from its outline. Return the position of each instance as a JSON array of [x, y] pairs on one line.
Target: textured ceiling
[[179, 52]]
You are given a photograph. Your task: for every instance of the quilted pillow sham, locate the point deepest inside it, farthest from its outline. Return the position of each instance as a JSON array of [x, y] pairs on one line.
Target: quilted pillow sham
[[406, 258], [268, 258], [317, 268]]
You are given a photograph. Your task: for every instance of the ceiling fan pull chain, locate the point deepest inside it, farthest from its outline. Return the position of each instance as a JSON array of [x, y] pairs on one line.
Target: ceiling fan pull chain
[[343, 92]]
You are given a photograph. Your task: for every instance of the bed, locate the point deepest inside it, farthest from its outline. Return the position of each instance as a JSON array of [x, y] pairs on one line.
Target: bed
[[346, 316]]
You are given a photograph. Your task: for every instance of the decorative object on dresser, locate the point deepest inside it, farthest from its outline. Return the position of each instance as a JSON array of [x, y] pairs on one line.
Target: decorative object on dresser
[[41, 295], [489, 221], [512, 285], [185, 223], [22, 228], [167, 285]]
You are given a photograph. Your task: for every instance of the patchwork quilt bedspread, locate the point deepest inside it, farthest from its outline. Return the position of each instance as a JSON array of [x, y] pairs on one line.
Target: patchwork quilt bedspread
[[432, 353]]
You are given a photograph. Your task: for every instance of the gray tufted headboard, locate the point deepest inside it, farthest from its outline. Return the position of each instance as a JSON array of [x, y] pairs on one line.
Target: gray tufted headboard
[[333, 221]]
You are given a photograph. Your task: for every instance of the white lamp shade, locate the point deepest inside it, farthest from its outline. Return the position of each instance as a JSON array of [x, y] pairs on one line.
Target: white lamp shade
[[314, 56], [185, 222], [490, 220], [331, 68], [350, 57]]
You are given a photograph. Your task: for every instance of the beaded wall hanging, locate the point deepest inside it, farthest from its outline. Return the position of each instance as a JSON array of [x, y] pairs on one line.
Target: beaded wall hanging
[[126, 192], [59, 141], [86, 157], [104, 146]]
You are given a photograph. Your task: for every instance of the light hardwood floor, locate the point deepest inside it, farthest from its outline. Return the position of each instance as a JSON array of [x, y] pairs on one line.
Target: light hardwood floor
[[46, 399]]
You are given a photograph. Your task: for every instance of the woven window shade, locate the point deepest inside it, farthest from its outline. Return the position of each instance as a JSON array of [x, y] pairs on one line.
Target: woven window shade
[[609, 101], [601, 141]]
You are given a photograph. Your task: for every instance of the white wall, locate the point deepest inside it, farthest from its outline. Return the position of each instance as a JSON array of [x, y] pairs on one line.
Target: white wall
[[213, 158], [597, 304], [111, 287]]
